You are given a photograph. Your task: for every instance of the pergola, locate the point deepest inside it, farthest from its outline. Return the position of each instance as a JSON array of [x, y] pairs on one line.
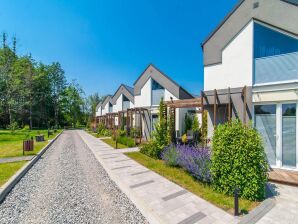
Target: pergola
[[109, 121], [228, 102], [177, 104], [131, 114]]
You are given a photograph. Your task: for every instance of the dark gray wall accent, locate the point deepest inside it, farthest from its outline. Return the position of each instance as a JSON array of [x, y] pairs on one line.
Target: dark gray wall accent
[[236, 102], [162, 79], [276, 13], [123, 90]]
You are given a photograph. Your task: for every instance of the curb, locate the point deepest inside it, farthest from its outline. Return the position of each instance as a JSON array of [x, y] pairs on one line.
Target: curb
[[9, 185], [138, 202], [259, 212]]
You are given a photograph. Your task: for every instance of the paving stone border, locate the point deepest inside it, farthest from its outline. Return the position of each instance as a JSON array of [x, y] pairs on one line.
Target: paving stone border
[[9, 185]]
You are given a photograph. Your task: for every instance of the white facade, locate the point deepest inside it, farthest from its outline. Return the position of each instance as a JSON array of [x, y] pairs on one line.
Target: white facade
[[274, 104], [236, 69], [99, 112], [118, 105]]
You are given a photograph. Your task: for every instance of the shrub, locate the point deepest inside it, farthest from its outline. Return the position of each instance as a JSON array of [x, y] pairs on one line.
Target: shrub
[[151, 149], [170, 155], [129, 142], [13, 127], [196, 161], [238, 159]]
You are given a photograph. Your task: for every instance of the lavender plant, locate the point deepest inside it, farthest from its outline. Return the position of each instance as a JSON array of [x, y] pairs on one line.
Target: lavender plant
[[195, 160]]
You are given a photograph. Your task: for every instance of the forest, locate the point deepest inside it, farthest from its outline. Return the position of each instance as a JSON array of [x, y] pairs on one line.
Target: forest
[[39, 95]]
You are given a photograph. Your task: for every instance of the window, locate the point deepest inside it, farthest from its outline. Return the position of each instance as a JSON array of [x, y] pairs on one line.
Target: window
[[275, 56], [110, 108], [158, 92]]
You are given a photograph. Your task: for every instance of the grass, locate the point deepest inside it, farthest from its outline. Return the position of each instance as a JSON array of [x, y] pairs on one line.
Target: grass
[[112, 143], [9, 169], [185, 180], [11, 144]]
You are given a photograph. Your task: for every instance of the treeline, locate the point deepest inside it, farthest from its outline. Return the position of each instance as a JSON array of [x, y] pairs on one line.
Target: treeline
[[38, 95]]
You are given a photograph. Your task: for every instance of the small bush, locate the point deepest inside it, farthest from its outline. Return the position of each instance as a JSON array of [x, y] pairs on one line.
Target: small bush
[[13, 127], [170, 155], [238, 159], [151, 149], [196, 161], [129, 142]]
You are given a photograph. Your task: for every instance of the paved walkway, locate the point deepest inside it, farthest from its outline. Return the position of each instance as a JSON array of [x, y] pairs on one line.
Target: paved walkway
[[15, 159], [160, 200], [285, 210]]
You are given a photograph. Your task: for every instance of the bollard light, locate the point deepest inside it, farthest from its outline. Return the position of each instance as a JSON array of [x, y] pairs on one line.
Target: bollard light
[[236, 202]]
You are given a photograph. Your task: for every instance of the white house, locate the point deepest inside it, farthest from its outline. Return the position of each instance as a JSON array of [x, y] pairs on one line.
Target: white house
[[251, 70], [123, 98], [152, 86]]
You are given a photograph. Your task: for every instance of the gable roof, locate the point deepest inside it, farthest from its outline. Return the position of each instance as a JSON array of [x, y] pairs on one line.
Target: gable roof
[[126, 91], [276, 13], [153, 72], [106, 100]]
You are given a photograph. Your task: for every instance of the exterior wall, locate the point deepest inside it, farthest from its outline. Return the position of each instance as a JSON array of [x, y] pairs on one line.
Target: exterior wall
[[144, 99], [276, 12], [98, 112], [236, 69], [276, 93], [105, 109], [118, 105]]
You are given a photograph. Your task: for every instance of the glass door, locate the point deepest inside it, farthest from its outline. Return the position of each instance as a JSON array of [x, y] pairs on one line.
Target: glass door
[[265, 123], [289, 135]]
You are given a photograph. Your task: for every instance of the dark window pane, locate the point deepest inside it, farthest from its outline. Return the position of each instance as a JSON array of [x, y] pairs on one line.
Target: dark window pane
[[289, 109], [156, 85], [265, 109]]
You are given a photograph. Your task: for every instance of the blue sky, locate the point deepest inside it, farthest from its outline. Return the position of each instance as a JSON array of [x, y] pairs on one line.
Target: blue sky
[[103, 43]]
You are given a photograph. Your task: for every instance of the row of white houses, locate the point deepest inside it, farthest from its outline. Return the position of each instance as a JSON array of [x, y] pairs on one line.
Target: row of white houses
[[141, 102], [250, 73]]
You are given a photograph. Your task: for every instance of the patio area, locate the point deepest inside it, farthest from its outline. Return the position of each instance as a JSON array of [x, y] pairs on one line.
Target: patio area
[[284, 177]]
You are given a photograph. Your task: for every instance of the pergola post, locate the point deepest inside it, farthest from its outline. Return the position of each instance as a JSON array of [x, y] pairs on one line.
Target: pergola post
[[215, 108], [244, 104], [141, 132], [229, 105], [202, 112]]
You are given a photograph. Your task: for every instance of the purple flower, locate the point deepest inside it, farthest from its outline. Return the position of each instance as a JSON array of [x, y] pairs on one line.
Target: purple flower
[[193, 159]]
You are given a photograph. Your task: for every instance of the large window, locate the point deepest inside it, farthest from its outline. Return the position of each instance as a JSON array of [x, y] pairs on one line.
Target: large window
[[110, 108], [158, 92], [265, 122], [275, 56], [126, 103]]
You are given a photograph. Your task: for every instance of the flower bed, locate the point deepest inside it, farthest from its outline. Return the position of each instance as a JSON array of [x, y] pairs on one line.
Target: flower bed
[[195, 160]]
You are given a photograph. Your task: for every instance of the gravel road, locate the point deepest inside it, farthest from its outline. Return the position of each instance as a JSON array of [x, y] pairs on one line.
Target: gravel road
[[68, 185]]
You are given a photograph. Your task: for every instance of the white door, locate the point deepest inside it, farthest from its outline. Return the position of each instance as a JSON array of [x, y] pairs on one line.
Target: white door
[[277, 123]]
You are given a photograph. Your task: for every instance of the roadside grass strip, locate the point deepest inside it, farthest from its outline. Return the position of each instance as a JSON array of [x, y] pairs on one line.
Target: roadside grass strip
[[11, 144], [7, 170], [185, 180], [112, 143]]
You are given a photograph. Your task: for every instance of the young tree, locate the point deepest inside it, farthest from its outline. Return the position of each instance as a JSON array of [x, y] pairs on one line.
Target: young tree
[[161, 134], [58, 85]]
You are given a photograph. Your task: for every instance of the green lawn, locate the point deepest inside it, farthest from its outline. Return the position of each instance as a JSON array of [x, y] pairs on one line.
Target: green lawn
[[185, 180], [9, 169], [112, 143], [11, 144]]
